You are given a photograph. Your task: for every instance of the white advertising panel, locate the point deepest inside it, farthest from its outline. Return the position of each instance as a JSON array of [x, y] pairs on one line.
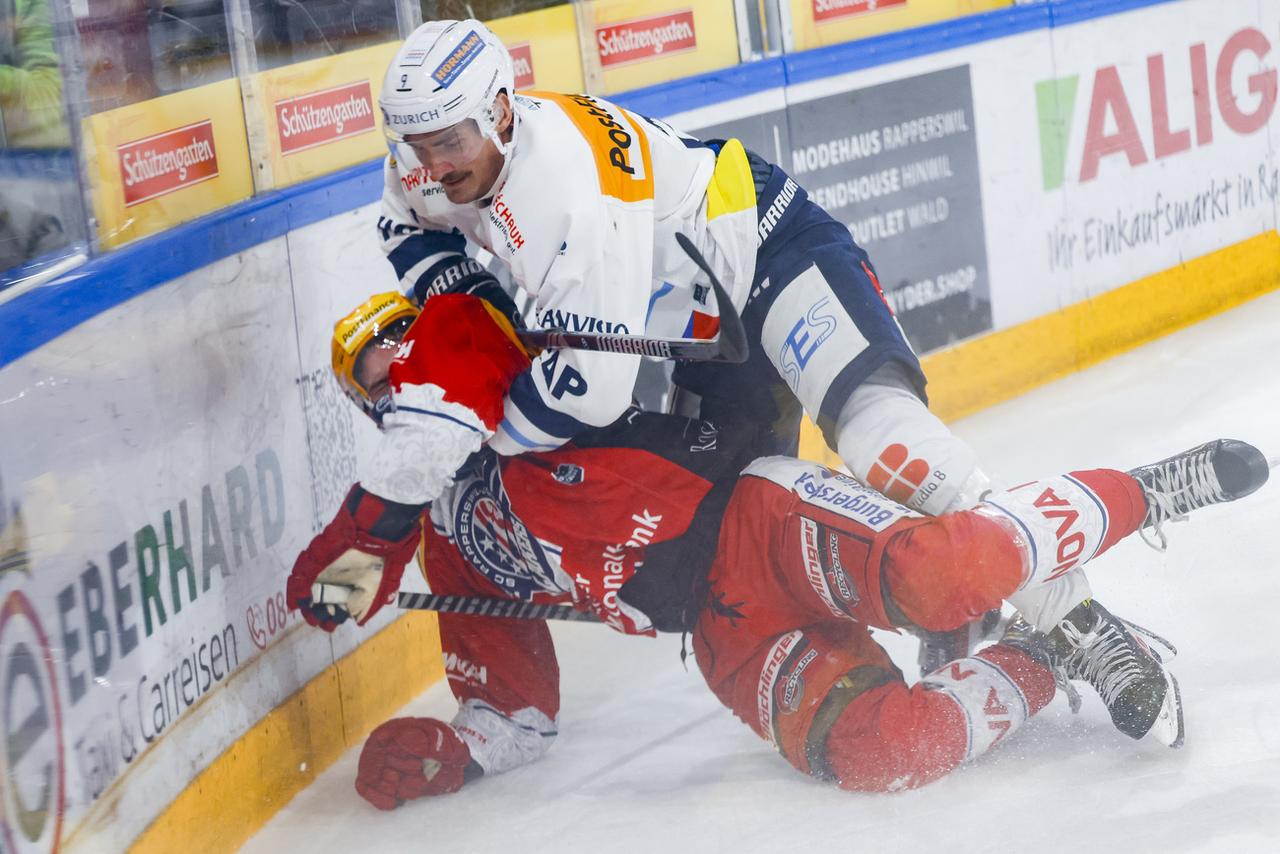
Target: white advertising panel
[[155, 486], [1150, 141], [1108, 150]]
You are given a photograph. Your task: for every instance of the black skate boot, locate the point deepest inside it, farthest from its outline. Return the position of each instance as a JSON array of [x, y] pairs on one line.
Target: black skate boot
[[1093, 645], [940, 648], [1213, 473]]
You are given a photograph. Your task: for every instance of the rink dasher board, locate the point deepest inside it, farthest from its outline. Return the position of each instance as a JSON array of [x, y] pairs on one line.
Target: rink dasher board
[[133, 476], [1042, 242]]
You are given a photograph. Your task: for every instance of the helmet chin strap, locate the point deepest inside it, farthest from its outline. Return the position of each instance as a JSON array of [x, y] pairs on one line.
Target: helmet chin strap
[[489, 129]]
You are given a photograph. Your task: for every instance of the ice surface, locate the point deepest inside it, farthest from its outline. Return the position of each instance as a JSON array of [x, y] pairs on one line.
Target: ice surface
[[647, 760]]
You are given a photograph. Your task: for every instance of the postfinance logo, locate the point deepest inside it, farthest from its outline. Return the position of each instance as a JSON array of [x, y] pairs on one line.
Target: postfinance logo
[[1238, 84]]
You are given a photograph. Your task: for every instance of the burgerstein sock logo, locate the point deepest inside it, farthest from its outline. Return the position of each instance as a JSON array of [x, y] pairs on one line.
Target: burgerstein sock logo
[[1182, 100]]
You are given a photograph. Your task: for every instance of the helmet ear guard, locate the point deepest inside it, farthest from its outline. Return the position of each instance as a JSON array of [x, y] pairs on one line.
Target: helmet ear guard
[[374, 318]]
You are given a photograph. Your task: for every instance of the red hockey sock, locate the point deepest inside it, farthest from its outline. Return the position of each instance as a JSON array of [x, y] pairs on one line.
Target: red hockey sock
[[1122, 496]]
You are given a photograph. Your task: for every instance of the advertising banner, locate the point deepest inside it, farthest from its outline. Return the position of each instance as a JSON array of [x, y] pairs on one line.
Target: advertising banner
[[315, 117], [158, 163], [898, 164], [1155, 135], [630, 44], [544, 46], [816, 23], [156, 486]]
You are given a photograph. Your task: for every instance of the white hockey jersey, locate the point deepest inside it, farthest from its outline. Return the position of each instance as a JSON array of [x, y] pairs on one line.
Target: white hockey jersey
[[584, 215]]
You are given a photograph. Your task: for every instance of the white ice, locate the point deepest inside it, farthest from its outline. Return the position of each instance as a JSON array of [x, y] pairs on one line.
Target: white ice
[[647, 759]]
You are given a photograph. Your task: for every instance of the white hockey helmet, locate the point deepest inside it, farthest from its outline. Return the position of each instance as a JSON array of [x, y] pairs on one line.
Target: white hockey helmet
[[446, 73]]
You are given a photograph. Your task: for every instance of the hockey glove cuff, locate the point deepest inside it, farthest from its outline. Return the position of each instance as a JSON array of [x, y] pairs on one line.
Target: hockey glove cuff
[[364, 550]]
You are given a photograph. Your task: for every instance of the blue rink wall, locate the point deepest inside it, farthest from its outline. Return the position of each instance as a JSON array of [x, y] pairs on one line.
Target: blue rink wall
[[1108, 172]]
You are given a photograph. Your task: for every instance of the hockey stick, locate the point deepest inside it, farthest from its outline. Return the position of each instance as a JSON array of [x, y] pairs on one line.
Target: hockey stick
[[486, 606], [478, 606], [729, 345]]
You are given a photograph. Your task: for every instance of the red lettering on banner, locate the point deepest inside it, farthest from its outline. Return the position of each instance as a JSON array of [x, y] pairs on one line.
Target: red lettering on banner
[[1262, 84], [322, 117], [522, 65], [1109, 97], [1110, 106], [169, 161], [1200, 94], [645, 38], [830, 10], [1166, 141]]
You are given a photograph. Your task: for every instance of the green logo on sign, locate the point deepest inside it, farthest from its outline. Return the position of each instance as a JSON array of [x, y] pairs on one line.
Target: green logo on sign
[[1055, 103]]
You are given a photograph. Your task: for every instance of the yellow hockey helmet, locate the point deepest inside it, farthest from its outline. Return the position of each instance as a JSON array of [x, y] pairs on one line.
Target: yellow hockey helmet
[[385, 317]]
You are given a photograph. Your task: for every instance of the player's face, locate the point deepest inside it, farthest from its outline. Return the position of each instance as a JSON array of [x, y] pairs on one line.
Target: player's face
[[461, 158], [373, 365]]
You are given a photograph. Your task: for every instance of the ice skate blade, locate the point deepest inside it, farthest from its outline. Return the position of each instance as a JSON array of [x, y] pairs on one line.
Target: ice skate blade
[[1168, 728]]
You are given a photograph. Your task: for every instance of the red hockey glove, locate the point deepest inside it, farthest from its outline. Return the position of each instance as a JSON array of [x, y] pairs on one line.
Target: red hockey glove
[[407, 758], [364, 551]]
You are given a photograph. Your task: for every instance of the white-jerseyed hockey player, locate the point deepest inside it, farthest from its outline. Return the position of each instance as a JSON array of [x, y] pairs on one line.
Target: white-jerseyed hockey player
[[581, 200]]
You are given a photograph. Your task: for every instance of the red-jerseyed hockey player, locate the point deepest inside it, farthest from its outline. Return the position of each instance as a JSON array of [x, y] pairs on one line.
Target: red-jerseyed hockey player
[[779, 603]]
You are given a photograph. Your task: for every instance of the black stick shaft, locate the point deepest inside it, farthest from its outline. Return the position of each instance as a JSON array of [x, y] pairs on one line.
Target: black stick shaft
[[483, 606], [729, 345]]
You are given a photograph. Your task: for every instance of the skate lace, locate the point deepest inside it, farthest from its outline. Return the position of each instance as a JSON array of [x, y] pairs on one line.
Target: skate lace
[[1104, 658], [1177, 487]]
